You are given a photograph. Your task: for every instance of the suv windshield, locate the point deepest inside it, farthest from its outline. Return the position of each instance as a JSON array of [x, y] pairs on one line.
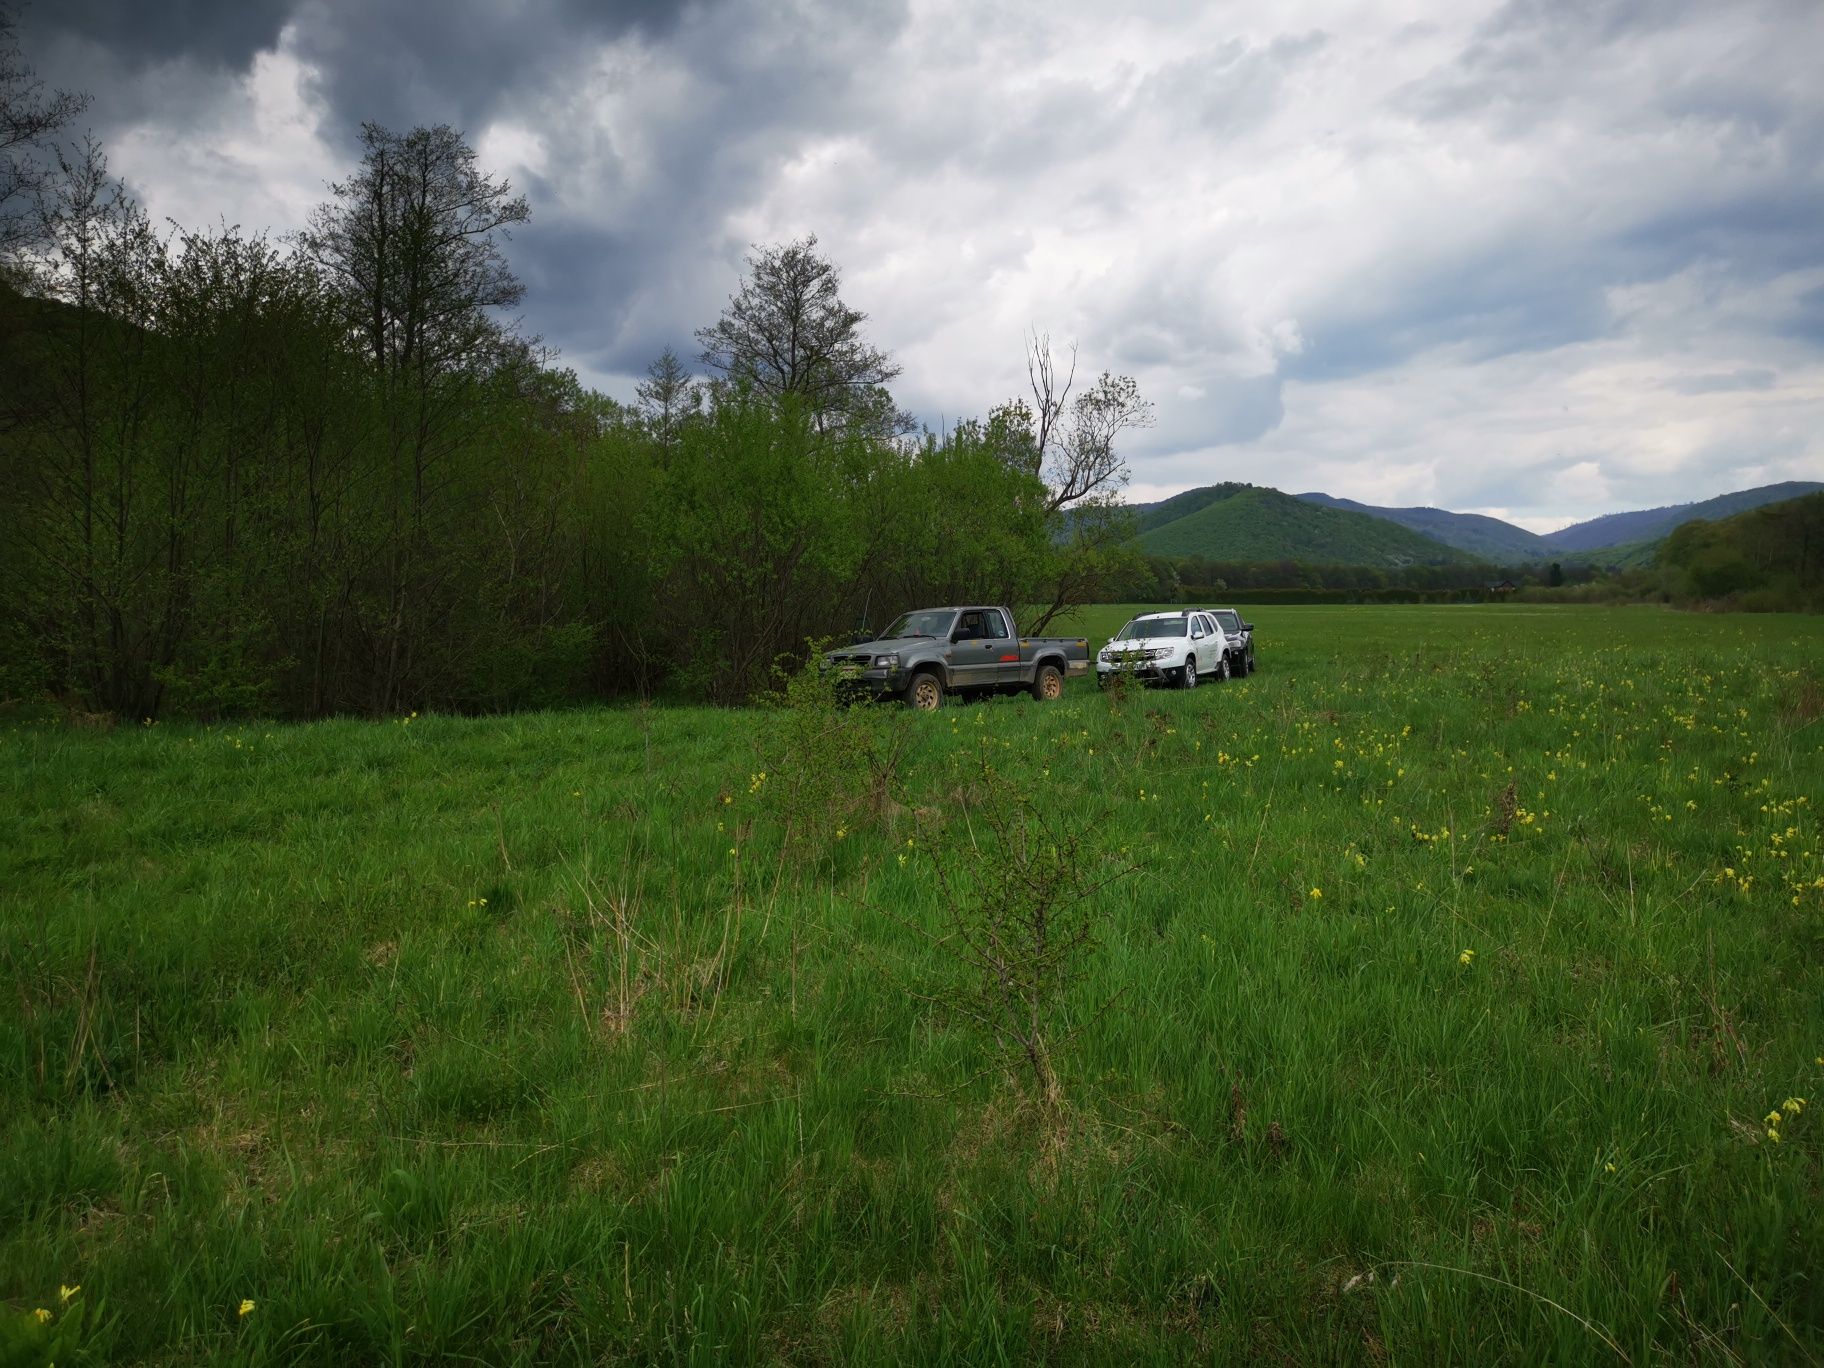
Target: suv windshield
[[927, 622], [1142, 628], [1230, 621]]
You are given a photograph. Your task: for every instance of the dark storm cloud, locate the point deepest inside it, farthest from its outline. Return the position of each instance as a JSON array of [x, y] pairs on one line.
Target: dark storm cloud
[[401, 64], [210, 32], [638, 260], [388, 60]]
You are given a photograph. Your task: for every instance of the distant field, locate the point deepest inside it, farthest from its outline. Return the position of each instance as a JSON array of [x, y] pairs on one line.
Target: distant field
[[1469, 952]]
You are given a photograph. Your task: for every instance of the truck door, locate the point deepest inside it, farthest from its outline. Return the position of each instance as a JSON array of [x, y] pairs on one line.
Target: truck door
[[976, 649], [1003, 646], [1204, 644]]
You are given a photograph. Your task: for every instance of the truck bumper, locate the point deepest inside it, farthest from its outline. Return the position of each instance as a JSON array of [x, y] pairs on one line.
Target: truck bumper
[[871, 683], [1147, 672]]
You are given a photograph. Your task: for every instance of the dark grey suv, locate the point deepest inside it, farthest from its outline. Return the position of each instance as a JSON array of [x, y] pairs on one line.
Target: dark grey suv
[[1241, 640]]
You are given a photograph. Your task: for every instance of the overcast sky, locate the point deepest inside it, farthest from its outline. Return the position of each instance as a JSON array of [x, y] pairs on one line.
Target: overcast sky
[[1542, 259]]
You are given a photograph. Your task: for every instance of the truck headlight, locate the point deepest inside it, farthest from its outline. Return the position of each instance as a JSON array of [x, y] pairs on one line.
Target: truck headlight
[[890, 661]]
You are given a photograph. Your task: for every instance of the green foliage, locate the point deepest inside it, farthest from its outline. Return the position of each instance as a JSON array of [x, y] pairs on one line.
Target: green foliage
[[1769, 558], [330, 478], [45, 1336], [226, 508]]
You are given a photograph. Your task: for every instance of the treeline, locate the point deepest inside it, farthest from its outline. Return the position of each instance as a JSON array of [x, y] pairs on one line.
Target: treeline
[[1195, 578], [1213, 595], [323, 475], [1768, 559]]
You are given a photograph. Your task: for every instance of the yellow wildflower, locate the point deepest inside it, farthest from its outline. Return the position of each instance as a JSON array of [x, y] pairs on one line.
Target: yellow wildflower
[[42, 1315], [1467, 957], [246, 1307], [1772, 1118], [65, 1293], [1794, 1105], [1774, 1136], [1317, 894]]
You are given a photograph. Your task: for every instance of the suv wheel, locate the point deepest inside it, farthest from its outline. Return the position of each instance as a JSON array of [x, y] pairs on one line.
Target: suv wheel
[[1187, 678]]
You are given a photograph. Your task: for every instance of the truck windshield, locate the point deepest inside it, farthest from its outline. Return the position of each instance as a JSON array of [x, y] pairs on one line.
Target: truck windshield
[[1141, 628], [927, 622]]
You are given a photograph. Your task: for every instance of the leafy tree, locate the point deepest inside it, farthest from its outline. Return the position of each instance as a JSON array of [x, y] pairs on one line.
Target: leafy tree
[[751, 540], [414, 239], [668, 395], [413, 244], [1070, 445], [788, 332]]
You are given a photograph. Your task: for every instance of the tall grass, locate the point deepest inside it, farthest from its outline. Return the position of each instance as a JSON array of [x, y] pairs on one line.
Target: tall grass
[[1469, 952]]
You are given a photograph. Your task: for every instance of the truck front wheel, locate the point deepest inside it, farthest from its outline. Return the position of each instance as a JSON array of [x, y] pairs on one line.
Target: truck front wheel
[[925, 693], [1048, 684]]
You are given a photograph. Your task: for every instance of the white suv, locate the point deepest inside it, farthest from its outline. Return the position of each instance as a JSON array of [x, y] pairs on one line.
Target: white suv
[[1182, 647]]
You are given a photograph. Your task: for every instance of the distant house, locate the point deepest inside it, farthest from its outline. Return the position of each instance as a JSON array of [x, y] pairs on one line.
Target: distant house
[[1501, 588]]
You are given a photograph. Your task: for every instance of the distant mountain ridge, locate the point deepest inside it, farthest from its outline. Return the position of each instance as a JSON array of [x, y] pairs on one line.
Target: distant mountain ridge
[[1650, 524], [1476, 533], [1243, 522], [1622, 533]]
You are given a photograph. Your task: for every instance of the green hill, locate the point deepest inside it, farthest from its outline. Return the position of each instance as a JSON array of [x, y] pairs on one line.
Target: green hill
[[1488, 538], [1237, 522], [1155, 516]]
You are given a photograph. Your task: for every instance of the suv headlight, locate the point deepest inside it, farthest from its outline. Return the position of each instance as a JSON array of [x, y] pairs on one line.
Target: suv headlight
[[887, 662], [1159, 652]]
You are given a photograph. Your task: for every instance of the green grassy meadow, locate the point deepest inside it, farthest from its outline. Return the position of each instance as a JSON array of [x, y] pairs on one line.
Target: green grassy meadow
[[542, 1038]]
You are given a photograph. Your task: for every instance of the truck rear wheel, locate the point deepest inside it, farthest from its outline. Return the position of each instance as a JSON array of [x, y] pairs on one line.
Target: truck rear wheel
[[925, 693], [1048, 684]]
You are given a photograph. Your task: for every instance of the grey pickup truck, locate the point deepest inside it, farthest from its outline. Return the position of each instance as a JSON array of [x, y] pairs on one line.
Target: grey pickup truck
[[967, 651]]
